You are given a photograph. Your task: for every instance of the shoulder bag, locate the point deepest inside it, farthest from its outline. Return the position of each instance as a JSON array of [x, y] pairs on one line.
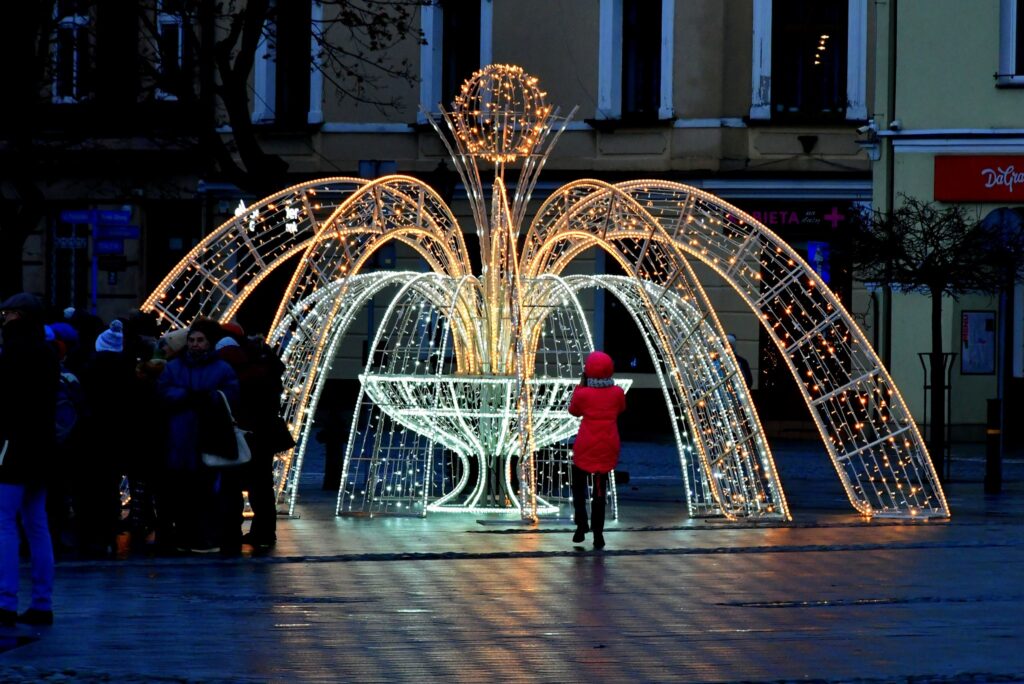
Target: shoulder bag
[[240, 454]]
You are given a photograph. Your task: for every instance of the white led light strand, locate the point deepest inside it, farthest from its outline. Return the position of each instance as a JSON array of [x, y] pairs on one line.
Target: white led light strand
[[462, 400]]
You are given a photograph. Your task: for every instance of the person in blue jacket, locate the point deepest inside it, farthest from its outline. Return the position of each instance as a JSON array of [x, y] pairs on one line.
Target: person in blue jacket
[[30, 373], [188, 388]]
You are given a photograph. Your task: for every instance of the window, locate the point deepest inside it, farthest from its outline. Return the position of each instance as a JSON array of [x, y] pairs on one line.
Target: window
[[809, 47], [375, 168], [284, 66], [171, 23], [1018, 32], [71, 52], [635, 67], [818, 50], [457, 43], [460, 44], [294, 35], [641, 58], [1011, 43]]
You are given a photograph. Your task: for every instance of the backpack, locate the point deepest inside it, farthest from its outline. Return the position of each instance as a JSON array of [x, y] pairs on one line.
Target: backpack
[[69, 403]]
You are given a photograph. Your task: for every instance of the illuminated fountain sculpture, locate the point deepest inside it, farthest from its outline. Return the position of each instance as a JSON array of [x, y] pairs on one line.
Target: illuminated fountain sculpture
[[462, 401]]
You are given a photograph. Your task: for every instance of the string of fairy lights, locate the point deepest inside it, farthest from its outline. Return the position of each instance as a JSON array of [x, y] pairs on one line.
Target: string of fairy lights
[[462, 399], [703, 386], [413, 402]]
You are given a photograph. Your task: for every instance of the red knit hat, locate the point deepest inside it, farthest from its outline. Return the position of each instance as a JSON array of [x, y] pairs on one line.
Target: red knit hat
[[598, 365], [233, 329]]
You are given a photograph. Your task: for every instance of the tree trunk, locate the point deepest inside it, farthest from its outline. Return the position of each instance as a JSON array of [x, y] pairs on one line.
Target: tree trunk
[[19, 218], [937, 420], [12, 241]]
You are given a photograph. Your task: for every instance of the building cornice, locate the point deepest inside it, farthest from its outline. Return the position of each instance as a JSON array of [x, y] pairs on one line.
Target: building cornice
[[957, 140]]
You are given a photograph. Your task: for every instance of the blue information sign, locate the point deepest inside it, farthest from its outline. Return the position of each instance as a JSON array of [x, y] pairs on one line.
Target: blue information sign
[[124, 232], [118, 216], [108, 246], [76, 216]]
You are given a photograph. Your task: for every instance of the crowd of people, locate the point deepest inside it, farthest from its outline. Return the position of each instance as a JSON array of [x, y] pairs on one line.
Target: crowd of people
[[87, 405], [134, 411]]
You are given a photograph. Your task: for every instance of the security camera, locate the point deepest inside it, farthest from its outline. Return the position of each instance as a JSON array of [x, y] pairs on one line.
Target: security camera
[[895, 125]]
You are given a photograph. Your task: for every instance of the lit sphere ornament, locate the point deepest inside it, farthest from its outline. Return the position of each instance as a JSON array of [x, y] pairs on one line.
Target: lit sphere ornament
[[499, 113]]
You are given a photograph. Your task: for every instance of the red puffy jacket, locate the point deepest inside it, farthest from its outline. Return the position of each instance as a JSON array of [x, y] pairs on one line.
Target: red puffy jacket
[[597, 443]]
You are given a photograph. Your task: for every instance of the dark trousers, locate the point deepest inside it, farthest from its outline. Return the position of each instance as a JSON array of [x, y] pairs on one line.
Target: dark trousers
[[598, 500], [190, 503], [259, 482], [228, 497]]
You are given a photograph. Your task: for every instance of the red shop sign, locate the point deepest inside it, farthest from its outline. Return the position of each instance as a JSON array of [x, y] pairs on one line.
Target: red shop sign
[[979, 178]]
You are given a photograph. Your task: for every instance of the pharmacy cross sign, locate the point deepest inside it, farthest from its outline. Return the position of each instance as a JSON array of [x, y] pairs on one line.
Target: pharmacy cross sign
[[834, 217]]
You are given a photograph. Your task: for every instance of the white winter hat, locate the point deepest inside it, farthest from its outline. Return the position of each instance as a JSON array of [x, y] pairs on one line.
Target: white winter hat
[[111, 339], [226, 341]]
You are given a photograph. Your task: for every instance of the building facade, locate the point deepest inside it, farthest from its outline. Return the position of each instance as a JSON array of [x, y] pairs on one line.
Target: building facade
[[947, 127], [757, 101]]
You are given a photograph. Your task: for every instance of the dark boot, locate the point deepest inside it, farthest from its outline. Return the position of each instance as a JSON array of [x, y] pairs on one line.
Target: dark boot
[[597, 520], [579, 504], [580, 518]]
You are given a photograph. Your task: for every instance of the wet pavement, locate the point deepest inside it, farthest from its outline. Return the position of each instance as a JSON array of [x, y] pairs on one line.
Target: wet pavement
[[828, 597]]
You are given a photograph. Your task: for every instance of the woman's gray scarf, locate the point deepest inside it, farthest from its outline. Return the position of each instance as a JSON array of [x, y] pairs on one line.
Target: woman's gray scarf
[[600, 382]]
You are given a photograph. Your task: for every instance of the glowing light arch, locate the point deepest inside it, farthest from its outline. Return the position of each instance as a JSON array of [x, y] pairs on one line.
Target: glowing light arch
[[650, 227], [225, 267], [324, 323], [703, 388], [868, 431]]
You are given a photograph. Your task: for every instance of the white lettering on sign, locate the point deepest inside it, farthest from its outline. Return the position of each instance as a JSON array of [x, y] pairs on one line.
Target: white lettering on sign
[[776, 218], [1008, 176]]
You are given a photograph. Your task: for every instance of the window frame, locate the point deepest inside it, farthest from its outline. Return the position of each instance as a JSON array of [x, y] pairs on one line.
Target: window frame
[[856, 61], [165, 19], [264, 101], [1011, 73], [432, 52], [609, 71], [74, 23]]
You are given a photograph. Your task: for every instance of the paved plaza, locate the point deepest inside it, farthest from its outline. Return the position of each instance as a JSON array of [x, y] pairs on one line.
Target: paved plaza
[[455, 598]]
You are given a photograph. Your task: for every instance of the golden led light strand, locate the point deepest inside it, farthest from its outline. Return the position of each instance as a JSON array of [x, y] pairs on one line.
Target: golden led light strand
[[515, 335]]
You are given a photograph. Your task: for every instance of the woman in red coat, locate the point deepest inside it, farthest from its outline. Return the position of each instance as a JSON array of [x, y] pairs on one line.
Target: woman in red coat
[[598, 401]]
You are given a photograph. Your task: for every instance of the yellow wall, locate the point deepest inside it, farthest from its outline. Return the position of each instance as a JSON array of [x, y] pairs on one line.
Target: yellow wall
[[948, 51]]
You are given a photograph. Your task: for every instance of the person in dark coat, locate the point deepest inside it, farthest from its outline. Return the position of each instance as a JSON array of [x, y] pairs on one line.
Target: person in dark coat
[[61, 484], [30, 372], [598, 401], [147, 462], [332, 435], [88, 327], [188, 389], [109, 438], [748, 378], [155, 515], [259, 411]]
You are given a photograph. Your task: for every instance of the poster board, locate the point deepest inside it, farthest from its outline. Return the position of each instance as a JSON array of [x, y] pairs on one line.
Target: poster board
[[977, 342]]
